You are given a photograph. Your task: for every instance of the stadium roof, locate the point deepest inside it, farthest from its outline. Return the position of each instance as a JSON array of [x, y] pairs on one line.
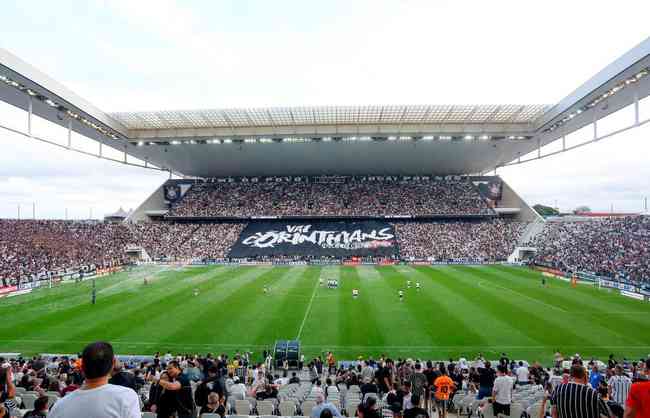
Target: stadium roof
[[331, 115], [350, 140]]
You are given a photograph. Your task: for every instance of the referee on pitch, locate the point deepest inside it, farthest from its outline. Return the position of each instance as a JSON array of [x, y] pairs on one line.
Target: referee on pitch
[[577, 399]]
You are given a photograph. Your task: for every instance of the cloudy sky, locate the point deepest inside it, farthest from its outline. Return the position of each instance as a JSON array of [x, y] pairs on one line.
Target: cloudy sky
[[161, 54]]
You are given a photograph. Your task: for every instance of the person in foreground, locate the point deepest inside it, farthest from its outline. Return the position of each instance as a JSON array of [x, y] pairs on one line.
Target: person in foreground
[[577, 399], [638, 400], [97, 398]]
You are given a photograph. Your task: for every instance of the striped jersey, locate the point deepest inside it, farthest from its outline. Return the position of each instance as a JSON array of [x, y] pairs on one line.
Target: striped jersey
[[620, 388], [574, 400]]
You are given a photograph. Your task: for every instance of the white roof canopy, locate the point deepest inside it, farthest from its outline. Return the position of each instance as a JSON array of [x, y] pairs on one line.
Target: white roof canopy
[[332, 115], [373, 139]]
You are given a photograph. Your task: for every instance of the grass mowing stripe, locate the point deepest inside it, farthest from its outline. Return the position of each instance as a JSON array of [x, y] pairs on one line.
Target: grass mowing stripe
[[477, 311], [281, 317], [234, 313], [428, 312], [563, 328], [548, 305], [206, 313], [535, 323], [609, 301], [51, 301], [78, 314], [361, 317], [603, 328], [304, 318], [114, 320]]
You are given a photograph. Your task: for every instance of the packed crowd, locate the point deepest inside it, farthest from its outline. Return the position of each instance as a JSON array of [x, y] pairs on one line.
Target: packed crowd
[[98, 385], [185, 241], [350, 198], [30, 247], [491, 240], [616, 248]]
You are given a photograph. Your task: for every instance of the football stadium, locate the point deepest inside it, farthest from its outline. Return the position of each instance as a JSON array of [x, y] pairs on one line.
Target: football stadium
[[353, 247]]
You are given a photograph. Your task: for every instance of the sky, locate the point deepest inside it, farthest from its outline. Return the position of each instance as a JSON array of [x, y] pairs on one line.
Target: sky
[[128, 55]]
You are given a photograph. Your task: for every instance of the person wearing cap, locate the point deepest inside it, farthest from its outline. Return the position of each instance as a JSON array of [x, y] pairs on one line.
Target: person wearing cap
[[322, 405]]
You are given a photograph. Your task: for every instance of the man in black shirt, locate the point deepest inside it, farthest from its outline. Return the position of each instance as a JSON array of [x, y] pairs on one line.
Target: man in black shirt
[[294, 378], [177, 394], [432, 374], [382, 375], [211, 383], [369, 387], [577, 399], [504, 360], [486, 380], [122, 378]]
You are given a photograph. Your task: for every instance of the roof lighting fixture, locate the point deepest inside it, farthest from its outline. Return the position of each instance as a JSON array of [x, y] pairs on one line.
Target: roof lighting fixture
[[620, 86]]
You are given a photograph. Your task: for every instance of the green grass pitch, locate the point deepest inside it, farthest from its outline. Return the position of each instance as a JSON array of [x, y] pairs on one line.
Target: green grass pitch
[[459, 311]]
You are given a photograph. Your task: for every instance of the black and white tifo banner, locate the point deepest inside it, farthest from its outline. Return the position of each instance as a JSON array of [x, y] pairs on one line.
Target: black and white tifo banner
[[316, 238]]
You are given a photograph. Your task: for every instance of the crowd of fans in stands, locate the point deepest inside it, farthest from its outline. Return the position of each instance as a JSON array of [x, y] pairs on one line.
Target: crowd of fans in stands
[[185, 241], [30, 247], [490, 240], [350, 198], [97, 384], [616, 247]]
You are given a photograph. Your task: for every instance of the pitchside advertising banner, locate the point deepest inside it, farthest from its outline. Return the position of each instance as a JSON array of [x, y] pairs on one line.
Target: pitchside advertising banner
[[320, 238]]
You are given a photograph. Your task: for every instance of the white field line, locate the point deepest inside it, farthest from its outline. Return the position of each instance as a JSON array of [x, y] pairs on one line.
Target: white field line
[[524, 295], [311, 302]]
